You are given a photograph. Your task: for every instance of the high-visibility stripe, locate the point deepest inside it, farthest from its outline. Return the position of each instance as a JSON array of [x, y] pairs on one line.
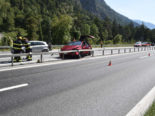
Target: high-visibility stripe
[[17, 44], [17, 48], [26, 44]]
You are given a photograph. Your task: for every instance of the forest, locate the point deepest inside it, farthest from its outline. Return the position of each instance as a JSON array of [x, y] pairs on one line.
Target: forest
[[61, 21]]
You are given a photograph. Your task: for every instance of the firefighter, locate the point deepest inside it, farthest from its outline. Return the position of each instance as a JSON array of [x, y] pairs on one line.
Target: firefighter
[[17, 47], [28, 49]]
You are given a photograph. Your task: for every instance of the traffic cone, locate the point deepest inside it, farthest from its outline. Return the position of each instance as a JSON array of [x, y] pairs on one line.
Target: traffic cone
[[110, 64], [149, 54]]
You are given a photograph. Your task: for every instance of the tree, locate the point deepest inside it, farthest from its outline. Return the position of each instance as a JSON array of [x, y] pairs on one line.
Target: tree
[[94, 31], [32, 24], [105, 35], [61, 27], [117, 39], [75, 34], [85, 29]]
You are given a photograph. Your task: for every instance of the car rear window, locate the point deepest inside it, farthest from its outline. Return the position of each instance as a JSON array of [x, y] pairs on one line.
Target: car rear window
[[74, 43]]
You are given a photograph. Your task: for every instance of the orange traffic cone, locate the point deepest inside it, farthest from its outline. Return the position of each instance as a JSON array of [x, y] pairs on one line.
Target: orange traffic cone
[[110, 64], [149, 54]]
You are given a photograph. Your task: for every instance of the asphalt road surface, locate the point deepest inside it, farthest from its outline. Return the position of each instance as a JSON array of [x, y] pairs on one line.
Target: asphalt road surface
[[85, 87]]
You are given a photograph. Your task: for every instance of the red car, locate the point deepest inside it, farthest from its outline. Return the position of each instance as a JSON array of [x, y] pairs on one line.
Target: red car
[[145, 44], [77, 45]]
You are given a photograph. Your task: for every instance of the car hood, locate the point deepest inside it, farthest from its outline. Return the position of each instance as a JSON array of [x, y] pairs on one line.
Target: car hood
[[69, 47]]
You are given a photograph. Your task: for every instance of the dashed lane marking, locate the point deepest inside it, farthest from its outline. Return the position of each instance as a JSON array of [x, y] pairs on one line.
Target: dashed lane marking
[[14, 87]]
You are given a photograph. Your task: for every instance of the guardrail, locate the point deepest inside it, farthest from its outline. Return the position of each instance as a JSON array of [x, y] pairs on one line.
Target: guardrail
[[5, 47], [98, 46], [93, 46], [112, 52]]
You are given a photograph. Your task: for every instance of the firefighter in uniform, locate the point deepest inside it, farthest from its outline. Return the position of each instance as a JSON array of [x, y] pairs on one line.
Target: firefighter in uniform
[[28, 49], [17, 47]]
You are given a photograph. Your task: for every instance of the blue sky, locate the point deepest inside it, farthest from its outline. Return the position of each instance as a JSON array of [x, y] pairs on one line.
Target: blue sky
[[135, 9]]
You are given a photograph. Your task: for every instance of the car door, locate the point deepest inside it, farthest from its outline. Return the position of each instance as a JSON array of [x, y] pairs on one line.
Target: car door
[[36, 47], [84, 47]]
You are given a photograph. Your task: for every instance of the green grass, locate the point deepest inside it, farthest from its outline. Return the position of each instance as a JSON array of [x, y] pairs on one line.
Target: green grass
[[151, 111]]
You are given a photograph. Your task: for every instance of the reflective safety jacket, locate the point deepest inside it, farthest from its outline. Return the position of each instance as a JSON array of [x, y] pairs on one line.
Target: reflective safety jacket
[[27, 46], [17, 45]]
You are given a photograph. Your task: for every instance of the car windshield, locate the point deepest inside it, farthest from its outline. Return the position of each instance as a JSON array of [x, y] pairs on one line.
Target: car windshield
[[138, 42], [74, 43]]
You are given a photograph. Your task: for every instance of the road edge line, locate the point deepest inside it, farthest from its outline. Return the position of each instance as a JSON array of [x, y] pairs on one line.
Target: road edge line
[[141, 108]]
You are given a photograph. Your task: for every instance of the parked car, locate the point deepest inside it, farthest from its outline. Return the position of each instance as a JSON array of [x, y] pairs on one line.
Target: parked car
[[138, 44], [39, 46], [77, 45], [146, 44]]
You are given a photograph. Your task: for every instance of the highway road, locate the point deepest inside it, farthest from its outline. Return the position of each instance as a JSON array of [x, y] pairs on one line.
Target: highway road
[[83, 87]]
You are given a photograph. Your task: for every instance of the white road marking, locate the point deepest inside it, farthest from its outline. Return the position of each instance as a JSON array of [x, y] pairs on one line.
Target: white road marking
[[141, 108], [13, 87]]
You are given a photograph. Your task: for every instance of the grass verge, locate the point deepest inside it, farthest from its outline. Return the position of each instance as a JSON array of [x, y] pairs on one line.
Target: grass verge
[[151, 111]]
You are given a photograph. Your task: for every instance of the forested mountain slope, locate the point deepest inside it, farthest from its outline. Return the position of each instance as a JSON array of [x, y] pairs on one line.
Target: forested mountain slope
[[100, 9], [60, 21]]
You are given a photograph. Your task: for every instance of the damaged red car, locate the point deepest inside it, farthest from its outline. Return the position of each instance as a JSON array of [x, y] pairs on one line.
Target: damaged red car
[[82, 44]]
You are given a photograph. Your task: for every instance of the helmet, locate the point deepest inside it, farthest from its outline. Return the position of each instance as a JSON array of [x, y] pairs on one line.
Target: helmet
[[20, 37]]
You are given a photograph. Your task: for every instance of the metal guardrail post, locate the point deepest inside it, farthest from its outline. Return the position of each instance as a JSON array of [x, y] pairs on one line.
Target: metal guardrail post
[[12, 60], [130, 50], [103, 52], [92, 53], [111, 51], [124, 50], [41, 57], [118, 51], [138, 49]]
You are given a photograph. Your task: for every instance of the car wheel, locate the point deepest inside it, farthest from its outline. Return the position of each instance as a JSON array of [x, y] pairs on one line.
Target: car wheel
[[79, 56], [62, 56], [89, 54]]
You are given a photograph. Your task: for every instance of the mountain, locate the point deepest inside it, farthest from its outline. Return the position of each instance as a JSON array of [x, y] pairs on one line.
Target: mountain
[[147, 24], [100, 9]]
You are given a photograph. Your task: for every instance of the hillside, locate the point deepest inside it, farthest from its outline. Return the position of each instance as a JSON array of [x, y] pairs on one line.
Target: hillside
[[100, 9], [60, 21]]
